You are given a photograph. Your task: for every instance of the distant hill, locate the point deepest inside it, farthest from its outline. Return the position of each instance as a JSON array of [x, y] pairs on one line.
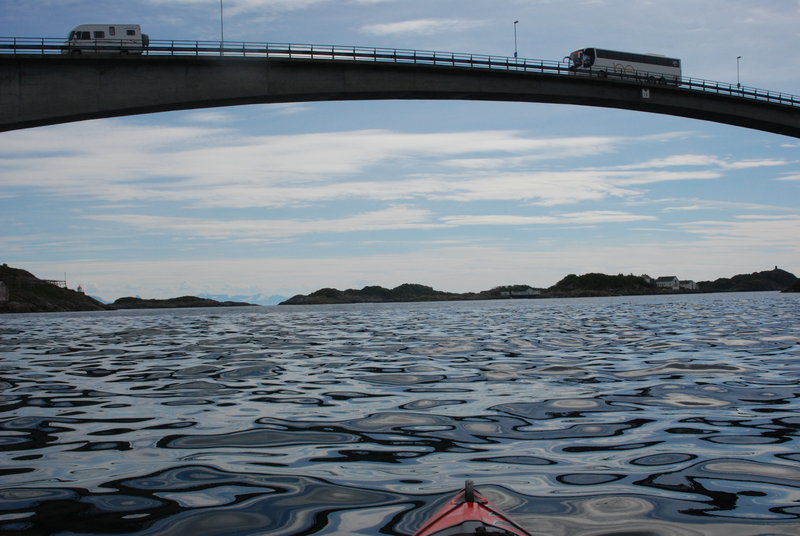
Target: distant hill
[[183, 301], [373, 294], [23, 292], [595, 284], [775, 279], [571, 286]]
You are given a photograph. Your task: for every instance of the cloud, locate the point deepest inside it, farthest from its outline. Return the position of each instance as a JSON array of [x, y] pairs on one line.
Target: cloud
[[398, 217], [456, 268], [756, 163], [289, 108], [575, 218], [207, 166], [392, 218], [215, 166], [747, 231], [421, 26], [706, 204], [705, 160], [208, 117], [235, 7]]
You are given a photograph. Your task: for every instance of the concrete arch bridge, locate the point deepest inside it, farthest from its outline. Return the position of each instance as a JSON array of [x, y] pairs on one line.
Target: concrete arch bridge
[[39, 85]]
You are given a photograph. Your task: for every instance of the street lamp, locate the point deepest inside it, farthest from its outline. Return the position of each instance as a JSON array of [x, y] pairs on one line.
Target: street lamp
[[221, 30], [515, 38], [737, 71]]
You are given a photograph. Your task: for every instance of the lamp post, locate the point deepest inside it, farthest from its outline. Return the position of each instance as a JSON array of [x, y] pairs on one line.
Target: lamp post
[[515, 38], [221, 30], [738, 84]]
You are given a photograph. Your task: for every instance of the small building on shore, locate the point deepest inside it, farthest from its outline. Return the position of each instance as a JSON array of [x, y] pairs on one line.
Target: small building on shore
[[522, 293], [669, 282]]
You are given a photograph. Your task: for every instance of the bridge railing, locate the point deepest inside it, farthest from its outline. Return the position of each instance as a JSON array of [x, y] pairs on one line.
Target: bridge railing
[[37, 45]]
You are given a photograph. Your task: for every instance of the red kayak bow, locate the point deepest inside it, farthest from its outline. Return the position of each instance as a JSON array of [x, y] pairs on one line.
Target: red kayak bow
[[468, 514]]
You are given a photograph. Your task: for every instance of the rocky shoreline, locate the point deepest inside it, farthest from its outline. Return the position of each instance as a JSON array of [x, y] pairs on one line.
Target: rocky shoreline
[[22, 292], [571, 286]]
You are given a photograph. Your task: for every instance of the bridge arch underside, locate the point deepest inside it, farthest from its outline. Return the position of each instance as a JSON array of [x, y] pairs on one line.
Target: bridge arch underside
[[45, 90]]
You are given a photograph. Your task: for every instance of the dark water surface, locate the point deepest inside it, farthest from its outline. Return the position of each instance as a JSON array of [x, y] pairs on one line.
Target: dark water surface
[[650, 415]]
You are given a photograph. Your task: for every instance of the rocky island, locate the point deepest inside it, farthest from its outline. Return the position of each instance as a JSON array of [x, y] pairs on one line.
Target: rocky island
[[23, 292], [183, 301], [571, 286]]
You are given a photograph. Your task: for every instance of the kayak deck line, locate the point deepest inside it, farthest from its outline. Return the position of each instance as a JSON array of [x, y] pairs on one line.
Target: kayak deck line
[[470, 513]]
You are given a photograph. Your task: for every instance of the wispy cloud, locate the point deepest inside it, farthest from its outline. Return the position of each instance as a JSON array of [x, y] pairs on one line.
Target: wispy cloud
[[746, 231], [709, 204], [575, 218], [704, 160], [399, 217], [223, 167], [206, 166], [235, 7], [421, 26]]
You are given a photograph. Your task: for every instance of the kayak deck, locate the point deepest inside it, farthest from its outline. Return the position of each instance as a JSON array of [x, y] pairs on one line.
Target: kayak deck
[[468, 514]]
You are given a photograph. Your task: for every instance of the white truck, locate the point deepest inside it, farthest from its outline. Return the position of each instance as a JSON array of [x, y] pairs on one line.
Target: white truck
[[106, 38]]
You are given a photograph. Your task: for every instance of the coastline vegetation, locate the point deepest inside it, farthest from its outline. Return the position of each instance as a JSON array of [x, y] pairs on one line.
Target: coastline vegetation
[[22, 292]]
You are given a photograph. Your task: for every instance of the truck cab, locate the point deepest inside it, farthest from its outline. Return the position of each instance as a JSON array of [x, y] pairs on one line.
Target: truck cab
[[106, 38]]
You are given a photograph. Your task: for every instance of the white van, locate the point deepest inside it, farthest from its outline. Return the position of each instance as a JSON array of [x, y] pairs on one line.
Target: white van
[[113, 38]]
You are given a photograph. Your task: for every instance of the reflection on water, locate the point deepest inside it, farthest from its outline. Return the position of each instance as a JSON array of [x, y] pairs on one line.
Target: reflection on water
[[649, 415]]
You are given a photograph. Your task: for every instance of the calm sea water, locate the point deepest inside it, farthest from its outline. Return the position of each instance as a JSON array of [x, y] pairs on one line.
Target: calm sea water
[[650, 415]]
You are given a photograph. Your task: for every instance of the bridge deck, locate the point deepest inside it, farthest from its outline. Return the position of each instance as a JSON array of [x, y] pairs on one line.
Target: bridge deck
[[32, 65], [37, 45]]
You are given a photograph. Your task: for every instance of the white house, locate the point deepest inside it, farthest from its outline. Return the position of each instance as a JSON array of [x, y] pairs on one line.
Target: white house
[[669, 282], [524, 293]]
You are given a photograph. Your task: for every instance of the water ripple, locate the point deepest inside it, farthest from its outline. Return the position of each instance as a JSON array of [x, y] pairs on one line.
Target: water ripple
[[652, 415]]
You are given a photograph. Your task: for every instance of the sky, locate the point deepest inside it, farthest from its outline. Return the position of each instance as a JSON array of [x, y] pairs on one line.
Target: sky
[[282, 199]]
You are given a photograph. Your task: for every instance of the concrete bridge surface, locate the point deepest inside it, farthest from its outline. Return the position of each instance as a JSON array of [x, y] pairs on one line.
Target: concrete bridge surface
[[47, 89]]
